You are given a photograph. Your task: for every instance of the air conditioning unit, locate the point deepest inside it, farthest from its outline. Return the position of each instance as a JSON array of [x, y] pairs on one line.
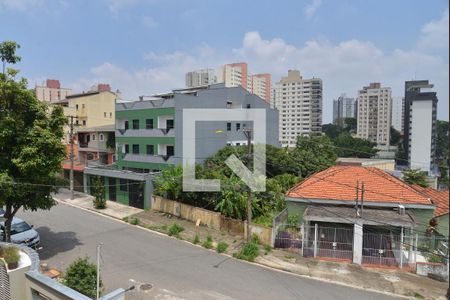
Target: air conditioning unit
[[401, 210]]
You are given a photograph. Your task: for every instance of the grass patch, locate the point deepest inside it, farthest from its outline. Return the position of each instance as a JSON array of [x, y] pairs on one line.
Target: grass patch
[[196, 239], [134, 221], [175, 230], [208, 242], [267, 249], [254, 239], [248, 252], [222, 247], [418, 296], [125, 219]]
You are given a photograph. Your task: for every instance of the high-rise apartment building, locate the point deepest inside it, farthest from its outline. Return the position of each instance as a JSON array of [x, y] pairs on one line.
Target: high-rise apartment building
[[299, 102], [343, 107], [237, 74], [51, 91], [420, 125], [199, 78], [374, 114], [398, 113]]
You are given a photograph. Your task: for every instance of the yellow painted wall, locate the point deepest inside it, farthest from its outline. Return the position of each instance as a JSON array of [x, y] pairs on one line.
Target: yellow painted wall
[[92, 109]]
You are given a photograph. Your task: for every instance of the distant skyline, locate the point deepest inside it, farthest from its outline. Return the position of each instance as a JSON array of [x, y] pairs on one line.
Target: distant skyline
[[143, 47]]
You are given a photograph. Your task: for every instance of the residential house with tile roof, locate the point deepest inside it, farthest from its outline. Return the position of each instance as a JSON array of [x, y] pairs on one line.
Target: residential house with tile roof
[[371, 205]]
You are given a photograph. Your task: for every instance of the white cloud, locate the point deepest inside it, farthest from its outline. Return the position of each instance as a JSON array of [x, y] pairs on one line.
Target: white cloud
[[149, 22], [116, 5], [435, 33], [20, 5], [311, 9], [344, 67]]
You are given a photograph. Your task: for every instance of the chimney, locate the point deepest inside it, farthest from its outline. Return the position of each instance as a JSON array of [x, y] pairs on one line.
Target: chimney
[[103, 87], [53, 84]]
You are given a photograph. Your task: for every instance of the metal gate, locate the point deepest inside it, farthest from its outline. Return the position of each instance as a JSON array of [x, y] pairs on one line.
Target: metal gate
[[382, 249]]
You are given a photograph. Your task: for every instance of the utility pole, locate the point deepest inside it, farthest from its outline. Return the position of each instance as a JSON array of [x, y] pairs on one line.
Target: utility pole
[[362, 198], [71, 155], [248, 135], [98, 269]]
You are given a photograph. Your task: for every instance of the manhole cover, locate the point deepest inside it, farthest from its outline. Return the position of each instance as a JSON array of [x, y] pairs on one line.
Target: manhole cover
[[145, 287]]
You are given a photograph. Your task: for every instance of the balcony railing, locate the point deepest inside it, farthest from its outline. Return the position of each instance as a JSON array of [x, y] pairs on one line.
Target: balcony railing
[[156, 132]]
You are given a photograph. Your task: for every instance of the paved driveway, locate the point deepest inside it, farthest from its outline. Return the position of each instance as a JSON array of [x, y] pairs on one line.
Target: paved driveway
[[175, 269]]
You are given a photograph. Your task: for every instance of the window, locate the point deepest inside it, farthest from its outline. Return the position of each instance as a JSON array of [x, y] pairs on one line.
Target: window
[[101, 137], [84, 122], [169, 124], [123, 184], [135, 148], [76, 106], [170, 151], [93, 136], [228, 126], [149, 123], [248, 105], [127, 148], [238, 144], [238, 126], [104, 114], [126, 125], [150, 150], [110, 114], [135, 124], [82, 105], [229, 103], [77, 123]]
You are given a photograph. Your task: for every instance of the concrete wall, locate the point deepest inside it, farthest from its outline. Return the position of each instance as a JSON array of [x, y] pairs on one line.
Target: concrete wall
[[188, 212], [425, 269], [211, 219], [442, 226]]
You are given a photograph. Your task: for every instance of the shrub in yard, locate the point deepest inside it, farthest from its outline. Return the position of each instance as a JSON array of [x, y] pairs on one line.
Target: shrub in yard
[[196, 239], [267, 249], [208, 242], [81, 276], [222, 247], [125, 219], [134, 221], [248, 252], [99, 194], [254, 239], [175, 230]]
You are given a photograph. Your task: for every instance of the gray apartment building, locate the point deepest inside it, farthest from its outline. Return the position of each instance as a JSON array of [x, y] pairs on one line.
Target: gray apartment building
[[420, 125], [343, 107]]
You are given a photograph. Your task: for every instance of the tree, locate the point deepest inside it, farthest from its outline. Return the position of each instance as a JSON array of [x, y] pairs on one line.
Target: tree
[[331, 130], [348, 146], [395, 137], [8, 53], [442, 150], [99, 193], [81, 275], [415, 176], [312, 154], [31, 151]]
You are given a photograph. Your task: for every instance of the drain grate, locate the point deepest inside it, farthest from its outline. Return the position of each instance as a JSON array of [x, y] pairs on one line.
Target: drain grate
[[145, 287]]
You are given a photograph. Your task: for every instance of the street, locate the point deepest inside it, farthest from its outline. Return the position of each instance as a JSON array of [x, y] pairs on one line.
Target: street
[[175, 269]]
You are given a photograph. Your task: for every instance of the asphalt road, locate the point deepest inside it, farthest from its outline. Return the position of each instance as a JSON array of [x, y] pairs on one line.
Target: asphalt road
[[175, 269]]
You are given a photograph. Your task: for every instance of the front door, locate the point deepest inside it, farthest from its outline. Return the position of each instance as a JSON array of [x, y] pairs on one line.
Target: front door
[[136, 194], [112, 189]]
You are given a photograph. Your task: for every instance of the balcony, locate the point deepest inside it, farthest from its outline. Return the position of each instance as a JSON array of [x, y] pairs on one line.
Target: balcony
[[156, 132], [155, 159]]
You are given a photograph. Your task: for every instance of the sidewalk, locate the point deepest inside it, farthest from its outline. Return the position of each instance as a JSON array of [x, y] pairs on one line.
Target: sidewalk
[[113, 209], [397, 282]]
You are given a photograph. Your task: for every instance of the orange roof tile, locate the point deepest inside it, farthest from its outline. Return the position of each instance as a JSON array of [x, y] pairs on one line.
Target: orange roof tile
[[339, 183], [440, 199]]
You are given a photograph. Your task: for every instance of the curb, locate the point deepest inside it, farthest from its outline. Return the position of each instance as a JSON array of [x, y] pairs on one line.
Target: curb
[[281, 270]]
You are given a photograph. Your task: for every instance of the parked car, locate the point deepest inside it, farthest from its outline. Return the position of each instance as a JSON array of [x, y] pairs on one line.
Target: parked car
[[22, 233]]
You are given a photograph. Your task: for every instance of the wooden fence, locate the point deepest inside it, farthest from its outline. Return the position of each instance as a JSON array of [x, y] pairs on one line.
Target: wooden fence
[[211, 219]]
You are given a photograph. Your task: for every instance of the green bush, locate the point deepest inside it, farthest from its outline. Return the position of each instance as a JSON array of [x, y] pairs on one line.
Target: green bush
[[81, 275], [196, 239], [267, 249], [208, 242], [134, 221], [125, 219], [254, 239], [175, 230], [11, 255], [248, 252], [99, 200], [222, 247]]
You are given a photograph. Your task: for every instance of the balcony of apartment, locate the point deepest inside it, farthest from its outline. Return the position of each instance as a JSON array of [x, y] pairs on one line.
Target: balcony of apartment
[[95, 142], [164, 127], [165, 154]]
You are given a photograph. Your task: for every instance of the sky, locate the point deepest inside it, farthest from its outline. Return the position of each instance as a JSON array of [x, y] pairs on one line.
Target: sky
[[143, 47]]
